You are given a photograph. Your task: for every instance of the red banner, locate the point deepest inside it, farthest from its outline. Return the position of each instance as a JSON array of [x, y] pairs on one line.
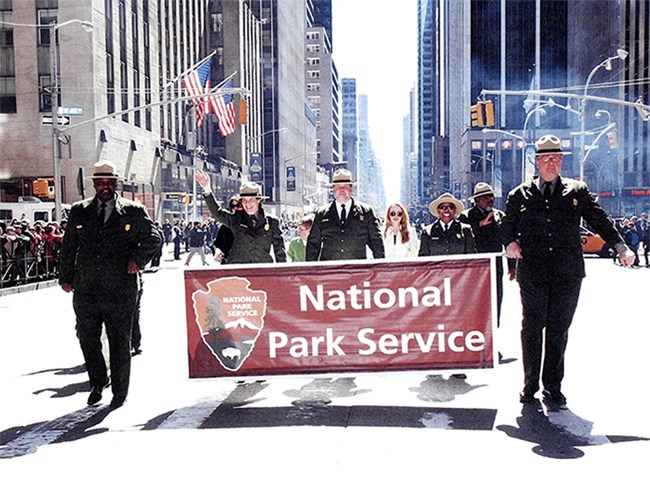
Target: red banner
[[423, 314]]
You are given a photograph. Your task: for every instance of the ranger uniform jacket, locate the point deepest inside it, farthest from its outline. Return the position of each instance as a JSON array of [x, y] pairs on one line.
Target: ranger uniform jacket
[[459, 239], [330, 240], [548, 232], [94, 256], [251, 243]]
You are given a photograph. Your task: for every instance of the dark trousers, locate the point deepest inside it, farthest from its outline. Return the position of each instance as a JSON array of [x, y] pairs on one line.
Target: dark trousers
[[499, 288], [136, 335], [116, 313], [548, 309]]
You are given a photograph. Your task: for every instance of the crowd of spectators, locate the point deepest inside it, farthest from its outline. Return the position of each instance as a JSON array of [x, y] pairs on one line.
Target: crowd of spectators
[[29, 251]]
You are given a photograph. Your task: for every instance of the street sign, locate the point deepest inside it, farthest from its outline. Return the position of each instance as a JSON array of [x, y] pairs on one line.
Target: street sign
[[71, 110], [173, 196], [63, 120]]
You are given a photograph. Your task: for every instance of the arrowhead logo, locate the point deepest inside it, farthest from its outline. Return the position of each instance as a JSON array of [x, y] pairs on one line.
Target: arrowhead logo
[[230, 317]]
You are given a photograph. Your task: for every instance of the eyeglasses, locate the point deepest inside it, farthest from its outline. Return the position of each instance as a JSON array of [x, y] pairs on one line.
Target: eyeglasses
[[444, 207], [549, 159], [395, 213]]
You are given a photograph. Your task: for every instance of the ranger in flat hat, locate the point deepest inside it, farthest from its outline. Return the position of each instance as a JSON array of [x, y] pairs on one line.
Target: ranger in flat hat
[[447, 235], [486, 221], [107, 242], [342, 229], [541, 230], [256, 235]]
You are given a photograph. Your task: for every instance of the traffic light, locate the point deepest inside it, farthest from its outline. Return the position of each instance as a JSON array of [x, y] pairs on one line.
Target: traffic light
[[488, 107], [476, 114], [243, 112], [612, 139], [185, 199], [482, 114], [40, 187]]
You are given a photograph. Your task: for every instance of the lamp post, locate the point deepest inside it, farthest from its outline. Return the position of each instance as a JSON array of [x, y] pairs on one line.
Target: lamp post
[[56, 157], [607, 64]]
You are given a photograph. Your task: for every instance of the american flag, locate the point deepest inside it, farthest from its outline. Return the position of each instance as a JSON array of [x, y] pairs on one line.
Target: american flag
[[197, 82], [224, 108]]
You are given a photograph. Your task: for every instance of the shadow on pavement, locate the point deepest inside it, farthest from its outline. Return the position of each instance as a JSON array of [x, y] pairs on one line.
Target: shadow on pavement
[[312, 407], [20, 441], [558, 432], [438, 389], [62, 371], [66, 391]]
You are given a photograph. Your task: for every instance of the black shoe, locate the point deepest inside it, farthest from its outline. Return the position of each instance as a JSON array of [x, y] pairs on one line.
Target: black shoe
[[556, 397], [96, 393], [527, 396], [459, 376], [136, 351], [117, 401]]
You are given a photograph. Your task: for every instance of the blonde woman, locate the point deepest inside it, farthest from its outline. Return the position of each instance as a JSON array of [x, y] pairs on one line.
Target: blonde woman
[[400, 238]]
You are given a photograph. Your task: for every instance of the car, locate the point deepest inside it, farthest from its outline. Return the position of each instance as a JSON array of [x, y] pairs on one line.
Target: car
[[592, 243]]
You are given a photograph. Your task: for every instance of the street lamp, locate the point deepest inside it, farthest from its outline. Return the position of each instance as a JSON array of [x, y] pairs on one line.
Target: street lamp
[[54, 52], [607, 64]]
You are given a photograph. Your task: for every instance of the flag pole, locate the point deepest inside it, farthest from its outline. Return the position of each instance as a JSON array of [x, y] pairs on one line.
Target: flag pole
[[191, 68], [223, 82]]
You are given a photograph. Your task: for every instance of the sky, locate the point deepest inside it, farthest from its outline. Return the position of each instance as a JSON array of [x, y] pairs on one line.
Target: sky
[[375, 41]]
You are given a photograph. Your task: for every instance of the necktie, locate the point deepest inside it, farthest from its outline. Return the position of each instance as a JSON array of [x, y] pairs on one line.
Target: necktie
[[343, 215], [102, 213], [253, 220], [547, 190]]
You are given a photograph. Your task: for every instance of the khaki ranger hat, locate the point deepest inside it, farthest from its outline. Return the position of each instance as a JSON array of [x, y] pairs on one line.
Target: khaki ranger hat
[[446, 198], [342, 176], [549, 144], [104, 170], [482, 189], [251, 190]]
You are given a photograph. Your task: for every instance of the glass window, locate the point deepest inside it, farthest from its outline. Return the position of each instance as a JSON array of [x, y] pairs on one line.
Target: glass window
[[45, 17]]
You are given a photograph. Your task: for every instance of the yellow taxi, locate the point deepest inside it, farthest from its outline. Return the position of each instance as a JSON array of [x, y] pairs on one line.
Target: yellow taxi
[[592, 243]]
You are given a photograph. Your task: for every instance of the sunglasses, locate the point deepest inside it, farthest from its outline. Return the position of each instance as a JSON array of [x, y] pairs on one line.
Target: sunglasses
[[445, 207], [395, 213]]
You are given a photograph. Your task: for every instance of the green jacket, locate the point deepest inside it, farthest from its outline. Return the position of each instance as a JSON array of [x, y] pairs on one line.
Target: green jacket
[[94, 257], [297, 251], [251, 244]]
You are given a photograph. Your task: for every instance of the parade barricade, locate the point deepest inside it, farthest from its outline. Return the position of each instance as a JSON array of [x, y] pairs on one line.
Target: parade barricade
[[433, 313]]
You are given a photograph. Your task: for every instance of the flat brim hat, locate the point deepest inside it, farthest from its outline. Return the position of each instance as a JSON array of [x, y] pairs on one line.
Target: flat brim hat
[[549, 144], [446, 198], [342, 176], [482, 189], [251, 190], [104, 170]]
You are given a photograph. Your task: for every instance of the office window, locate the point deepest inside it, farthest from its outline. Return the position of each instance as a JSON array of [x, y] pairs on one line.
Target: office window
[[45, 96], [7, 95], [7, 67], [313, 74], [45, 17], [313, 61], [313, 48], [216, 20], [313, 86]]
